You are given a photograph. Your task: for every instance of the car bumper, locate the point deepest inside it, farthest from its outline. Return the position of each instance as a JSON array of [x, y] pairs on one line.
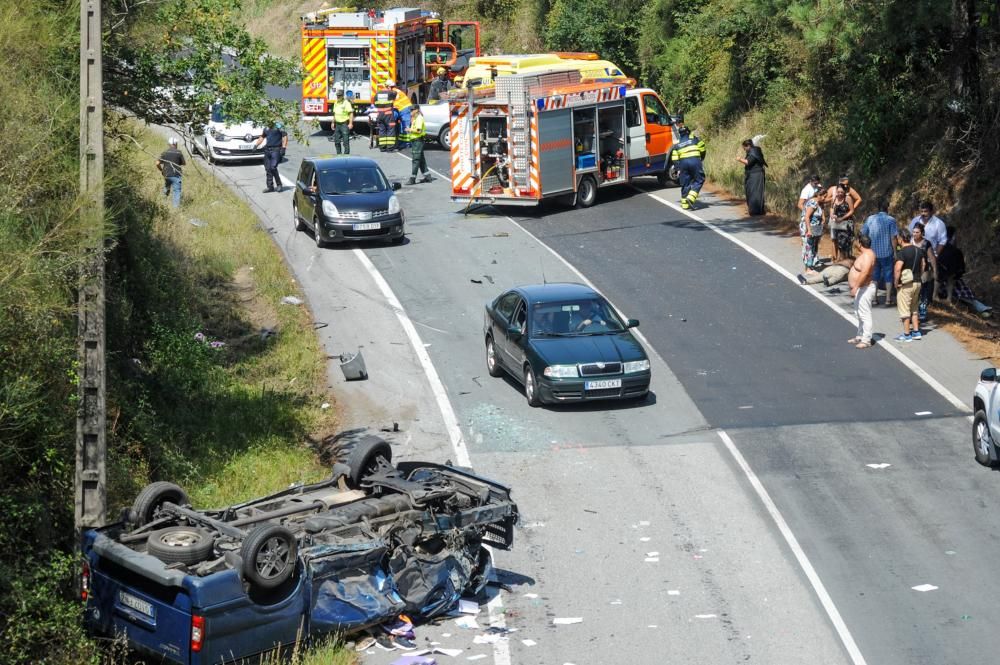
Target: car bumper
[[633, 386], [346, 230], [223, 153]]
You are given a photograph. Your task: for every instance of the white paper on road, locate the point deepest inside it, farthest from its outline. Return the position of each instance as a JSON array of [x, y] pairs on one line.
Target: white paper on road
[[528, 643], [478, 656], [652, 554], [924, 587], [565, 621], [468, 606], [673, 592], [880, 465], [651, 559], [466, 622], [704, 616], [531, 595]]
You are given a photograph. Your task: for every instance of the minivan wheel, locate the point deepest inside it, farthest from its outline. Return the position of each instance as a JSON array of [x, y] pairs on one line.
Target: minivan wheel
[[320, 243], [299, 224], [586, 192], [151, 498], [492, 366], [982, 442], [366, 458], [180, 544], [269, 553], [531, 387]]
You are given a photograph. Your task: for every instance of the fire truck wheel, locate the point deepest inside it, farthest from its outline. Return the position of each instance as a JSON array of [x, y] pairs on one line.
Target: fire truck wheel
[[586, 192], [152, 496], [326, 126]]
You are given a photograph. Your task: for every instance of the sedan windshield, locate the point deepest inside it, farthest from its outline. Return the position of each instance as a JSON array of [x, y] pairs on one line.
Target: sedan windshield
[[578, 317], [361, 180]]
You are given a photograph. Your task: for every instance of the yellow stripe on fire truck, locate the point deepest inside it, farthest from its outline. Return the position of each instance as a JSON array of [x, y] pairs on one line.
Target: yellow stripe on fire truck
[[314, 62]]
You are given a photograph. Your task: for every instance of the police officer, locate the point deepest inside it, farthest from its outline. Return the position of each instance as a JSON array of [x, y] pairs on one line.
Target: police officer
[[439, 85], [418, 131], [343, 123], [275, 141], [386, 122], [687, 156]]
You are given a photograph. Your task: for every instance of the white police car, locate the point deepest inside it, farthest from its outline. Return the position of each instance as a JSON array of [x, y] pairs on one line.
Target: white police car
[[224, 140], [986, 423]]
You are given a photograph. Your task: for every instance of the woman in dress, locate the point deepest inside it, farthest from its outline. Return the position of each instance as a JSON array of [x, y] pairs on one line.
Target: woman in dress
[[811, 229], [841, 224], [753, 178]]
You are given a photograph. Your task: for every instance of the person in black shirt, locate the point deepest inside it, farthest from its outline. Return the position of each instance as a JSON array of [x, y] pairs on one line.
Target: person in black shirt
[[910, 262], [753, 178], [171, 164], [275, 141]]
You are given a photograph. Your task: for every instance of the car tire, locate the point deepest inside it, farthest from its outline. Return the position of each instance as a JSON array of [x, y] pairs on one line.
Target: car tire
[[299, 224], [531, 387], [326, 126], [492, 361], [320, 243], [399, 240], [982, 442], [269, 555], [152, 496], [444, 137], [586, 192], [363, 460], [180, 544]]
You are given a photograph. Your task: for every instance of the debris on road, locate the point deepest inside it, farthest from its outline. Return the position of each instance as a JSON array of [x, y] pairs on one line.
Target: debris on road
[[468, 606], [476, 281], [924, 588], [353, 366], [565, 621], [194, 221], [324, 405], [291, 300], [529, 643], [466, 622], [500, 234]]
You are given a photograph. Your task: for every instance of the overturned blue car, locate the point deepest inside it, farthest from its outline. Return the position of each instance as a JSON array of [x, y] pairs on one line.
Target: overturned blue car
[[374, 541]]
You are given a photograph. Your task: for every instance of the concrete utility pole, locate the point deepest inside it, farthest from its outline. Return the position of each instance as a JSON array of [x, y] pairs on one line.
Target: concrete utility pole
[[91, 444]]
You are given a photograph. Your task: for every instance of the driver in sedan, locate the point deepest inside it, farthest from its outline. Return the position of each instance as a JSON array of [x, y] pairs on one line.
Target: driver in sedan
[[596, 319]]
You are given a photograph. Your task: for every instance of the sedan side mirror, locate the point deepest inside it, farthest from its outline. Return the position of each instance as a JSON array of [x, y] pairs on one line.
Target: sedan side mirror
[[514, 330], [396, 186], [989, 375], [632, 323]]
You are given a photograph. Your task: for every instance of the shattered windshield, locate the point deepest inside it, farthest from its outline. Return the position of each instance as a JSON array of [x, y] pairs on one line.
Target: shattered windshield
[[578, 317], [361, 180]]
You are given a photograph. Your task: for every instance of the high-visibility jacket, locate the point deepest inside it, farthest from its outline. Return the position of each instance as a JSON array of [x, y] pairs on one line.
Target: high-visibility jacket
[[687, 148], [343, 111], [418, 127], [402, 101]]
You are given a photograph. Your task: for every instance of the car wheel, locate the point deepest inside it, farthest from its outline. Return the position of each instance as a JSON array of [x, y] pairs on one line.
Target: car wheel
[[180, 544], [320, 243], [982, 442], [366, 457], [492, 362], [586, 192], [399, 240], [444, 137], [299, 224], [269, 554], [151, 498], [531, 387]]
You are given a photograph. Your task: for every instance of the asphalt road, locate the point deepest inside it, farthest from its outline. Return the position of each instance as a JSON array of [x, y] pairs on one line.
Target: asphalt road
[[603, 487]]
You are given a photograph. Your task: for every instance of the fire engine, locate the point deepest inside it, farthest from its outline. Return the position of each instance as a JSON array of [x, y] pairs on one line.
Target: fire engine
[[361, 50], [538, 136]]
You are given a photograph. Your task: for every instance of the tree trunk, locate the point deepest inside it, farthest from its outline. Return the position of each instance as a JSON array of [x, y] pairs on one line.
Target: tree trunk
[[965, 51]]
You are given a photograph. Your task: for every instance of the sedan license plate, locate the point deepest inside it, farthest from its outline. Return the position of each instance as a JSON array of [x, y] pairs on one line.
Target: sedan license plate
[[602, 384], [371, 226], [137, 604], [247, 146]]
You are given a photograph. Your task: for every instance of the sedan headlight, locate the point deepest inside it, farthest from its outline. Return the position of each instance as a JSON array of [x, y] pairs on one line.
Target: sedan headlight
[[636, 366], [561, 371], [329, 209], [394, 206]]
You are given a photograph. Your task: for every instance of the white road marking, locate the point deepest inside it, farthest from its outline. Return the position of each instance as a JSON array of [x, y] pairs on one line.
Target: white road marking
[[501, 649], [912, 366], [824, 598], [921, 413]]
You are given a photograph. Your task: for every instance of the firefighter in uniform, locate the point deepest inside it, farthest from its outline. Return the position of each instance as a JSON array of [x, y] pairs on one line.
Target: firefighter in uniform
[[343, 123], [402, 105], [418, 130], [386, 123], [687, 156]]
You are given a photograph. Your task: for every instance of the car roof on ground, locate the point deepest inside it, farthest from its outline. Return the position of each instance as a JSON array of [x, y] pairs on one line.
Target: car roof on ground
[[338, 163], [537, 293]]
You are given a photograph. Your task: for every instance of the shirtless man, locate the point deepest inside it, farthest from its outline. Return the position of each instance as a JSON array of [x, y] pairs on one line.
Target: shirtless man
[[863, 290]]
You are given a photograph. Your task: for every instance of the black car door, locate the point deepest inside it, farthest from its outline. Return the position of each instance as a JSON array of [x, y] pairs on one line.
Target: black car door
[[304, 198], [515, 337], [500, 314]]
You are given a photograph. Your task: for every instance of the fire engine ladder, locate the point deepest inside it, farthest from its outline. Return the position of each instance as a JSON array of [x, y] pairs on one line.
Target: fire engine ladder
[[517, 92]]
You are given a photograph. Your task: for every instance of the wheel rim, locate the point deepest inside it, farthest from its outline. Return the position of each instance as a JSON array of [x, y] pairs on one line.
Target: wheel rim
[[445, 139], [588, 191], [982, 440], [295, 216], [179, 539], [491, 357], [272, 558], [529, 384], [316, 235]]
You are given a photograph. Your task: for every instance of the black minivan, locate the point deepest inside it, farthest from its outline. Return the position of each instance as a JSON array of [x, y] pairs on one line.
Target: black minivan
[[345, 199]]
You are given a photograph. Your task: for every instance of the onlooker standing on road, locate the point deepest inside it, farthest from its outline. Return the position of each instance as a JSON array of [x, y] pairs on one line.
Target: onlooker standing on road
[[841, 223], [811, 229], [753, 177], [275, 140], [937, 236], [343, 123], [807, 191], [853, 198], [927, 277], [171, 164], [418, 130], [863, 289], [910, 262], [881, 229]]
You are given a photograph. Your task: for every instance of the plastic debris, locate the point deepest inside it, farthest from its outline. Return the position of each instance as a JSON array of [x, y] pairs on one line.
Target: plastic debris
[[923, 588], [324, 405], [476, 281], [651, 559], [194, 221], [478, 656], [291, 300], [565, 621], [486, 639], [704, 616], [468, 606], [673, 592], [529, 643], [466, 622], [531, 595], [881, 465]]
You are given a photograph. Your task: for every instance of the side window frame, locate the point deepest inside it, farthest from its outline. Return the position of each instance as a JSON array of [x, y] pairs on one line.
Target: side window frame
[[499, 306], [305, 173], [520, 310], [662, 116], [632, 117]]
